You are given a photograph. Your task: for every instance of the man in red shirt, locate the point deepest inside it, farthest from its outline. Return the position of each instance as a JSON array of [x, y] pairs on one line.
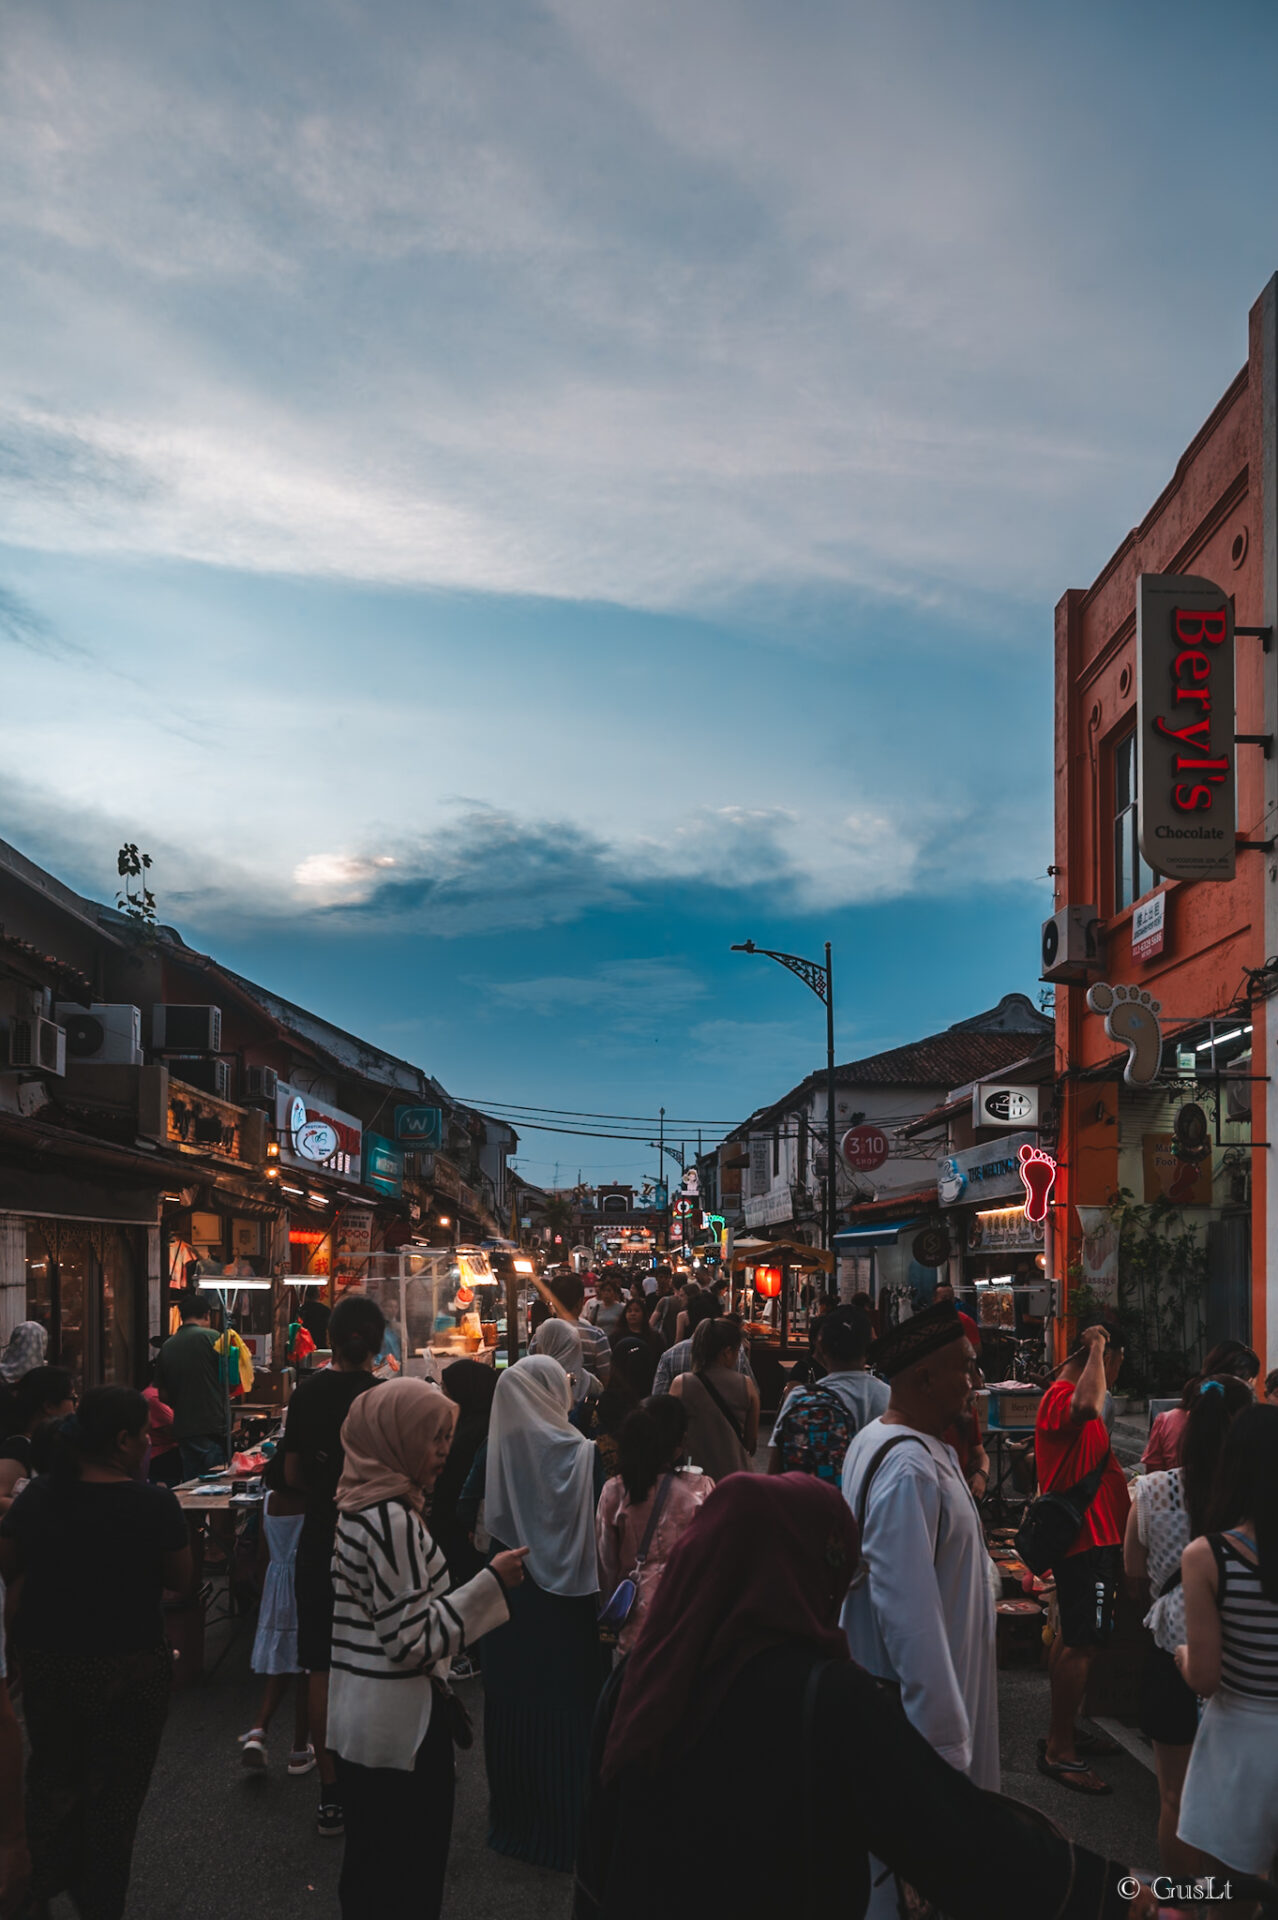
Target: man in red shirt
[[1070, 1439]]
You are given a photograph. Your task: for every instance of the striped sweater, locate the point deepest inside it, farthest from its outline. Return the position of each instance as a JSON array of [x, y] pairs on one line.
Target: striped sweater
[[395, 1623]]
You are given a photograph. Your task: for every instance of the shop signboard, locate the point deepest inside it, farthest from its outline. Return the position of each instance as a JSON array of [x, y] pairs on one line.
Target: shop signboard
[[981, 1176], [419, 1126], [315, 1135], [1185, 749], [864, 1148], [383, 1165], [1004, 1107], [1149, 919], [352, 1243], [1171, 1175]]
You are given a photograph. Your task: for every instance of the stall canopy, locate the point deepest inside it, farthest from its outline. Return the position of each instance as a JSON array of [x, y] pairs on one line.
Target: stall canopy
[[878, 1234], [794, 1253]]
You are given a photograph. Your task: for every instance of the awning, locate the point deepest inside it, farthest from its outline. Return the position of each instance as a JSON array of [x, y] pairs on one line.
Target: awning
[[879, 1234]]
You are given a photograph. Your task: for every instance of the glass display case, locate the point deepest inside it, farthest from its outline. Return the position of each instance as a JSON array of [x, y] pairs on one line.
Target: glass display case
[[441, 1304]]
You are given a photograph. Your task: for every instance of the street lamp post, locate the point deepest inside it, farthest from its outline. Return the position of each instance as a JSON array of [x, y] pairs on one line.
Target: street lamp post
[[821, 980]]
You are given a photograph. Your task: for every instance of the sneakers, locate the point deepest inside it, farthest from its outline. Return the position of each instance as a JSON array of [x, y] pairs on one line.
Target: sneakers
[[328, 1822], [302, 1760], [253, 1750]]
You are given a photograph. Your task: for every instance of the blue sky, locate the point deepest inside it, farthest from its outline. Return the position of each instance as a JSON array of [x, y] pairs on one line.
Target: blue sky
[[505, 500]]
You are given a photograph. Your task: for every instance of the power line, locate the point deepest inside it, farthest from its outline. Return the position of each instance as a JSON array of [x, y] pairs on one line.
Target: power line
[[573, 1113]]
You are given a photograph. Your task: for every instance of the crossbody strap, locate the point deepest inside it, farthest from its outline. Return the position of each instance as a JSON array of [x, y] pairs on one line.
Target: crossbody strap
[[658, 1502], [722, 1405], [897, 1440]]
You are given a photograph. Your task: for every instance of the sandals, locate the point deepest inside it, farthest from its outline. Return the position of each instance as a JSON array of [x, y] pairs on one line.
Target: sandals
[[1097, 1746], [1070, 1774]]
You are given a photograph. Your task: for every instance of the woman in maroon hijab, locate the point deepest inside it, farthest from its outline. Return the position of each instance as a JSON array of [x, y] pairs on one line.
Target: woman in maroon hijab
[[741, 1681]]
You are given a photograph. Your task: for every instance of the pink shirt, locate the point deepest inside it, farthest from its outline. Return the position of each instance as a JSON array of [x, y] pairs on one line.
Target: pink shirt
[[619, 1531], [1162, 1449]]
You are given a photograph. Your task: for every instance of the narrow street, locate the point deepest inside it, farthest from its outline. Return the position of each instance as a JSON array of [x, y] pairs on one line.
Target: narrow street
[[210, 1831]]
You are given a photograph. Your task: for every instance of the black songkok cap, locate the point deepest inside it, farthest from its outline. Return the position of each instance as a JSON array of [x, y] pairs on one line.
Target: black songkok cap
[[915, 1339]]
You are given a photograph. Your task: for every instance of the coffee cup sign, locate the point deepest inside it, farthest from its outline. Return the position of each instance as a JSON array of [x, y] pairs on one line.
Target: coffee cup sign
[[864, 1148]]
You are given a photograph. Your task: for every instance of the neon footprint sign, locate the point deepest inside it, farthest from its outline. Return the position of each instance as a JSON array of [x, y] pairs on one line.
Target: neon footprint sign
[[1038, 1177]]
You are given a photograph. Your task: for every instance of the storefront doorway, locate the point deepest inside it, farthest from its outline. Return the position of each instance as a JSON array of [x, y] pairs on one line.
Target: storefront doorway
[[86, 1283]]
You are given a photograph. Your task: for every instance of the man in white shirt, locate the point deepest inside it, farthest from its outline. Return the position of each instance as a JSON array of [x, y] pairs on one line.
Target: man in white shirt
[[924, 1616]]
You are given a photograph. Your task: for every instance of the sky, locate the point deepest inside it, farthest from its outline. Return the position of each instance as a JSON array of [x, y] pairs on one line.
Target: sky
[[502, 501]]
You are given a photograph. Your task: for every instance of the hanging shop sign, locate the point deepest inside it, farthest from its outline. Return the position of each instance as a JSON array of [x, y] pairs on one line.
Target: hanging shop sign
[[1003, 1230], [313, 1135], [864, 1148], [1185, 751], [981, 1175], [1131, 1017], [1170, 1175], [383, 1165], [1149, 920], [1008, 1107], [1038, 1177], [931, 1248], [419, 1126]]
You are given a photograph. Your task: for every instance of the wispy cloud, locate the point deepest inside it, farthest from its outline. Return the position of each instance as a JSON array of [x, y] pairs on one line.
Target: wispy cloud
[[647, 304]]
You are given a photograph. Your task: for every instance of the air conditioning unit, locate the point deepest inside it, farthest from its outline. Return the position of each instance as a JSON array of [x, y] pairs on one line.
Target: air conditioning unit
[[38, 1043], [261, 1083], [186, 1029], [102, 1034], [1071, 943], [198, 1070]]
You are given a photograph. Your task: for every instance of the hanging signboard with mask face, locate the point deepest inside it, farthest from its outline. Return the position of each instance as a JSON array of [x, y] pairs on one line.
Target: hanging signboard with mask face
[[1185, 747]]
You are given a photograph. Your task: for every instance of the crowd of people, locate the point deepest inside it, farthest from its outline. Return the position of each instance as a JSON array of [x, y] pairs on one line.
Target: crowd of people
[[589, 1527]]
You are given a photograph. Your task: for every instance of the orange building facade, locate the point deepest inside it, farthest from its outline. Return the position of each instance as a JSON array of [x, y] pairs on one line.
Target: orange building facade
[[1202, 951]]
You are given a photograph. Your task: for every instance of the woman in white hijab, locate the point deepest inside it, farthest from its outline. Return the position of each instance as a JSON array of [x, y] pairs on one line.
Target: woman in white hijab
[[563, 1343], [543, 1670]]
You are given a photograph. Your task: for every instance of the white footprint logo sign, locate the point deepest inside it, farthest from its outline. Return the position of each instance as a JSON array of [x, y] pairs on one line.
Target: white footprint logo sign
[[1131, 1015]]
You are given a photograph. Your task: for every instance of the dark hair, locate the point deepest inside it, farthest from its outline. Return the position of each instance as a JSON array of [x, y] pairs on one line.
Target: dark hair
[[91, 1433], [1215, 1406], [649, 1438], [1232, 1356], [611, 1281], [42, 1387], [1247, 1487], [1113, 1332], [637, 1300], [569, 1290], [356, 1330], [701, 1306], [844, 1336], [1271, 1381], [196, 1306], [712, 1338]]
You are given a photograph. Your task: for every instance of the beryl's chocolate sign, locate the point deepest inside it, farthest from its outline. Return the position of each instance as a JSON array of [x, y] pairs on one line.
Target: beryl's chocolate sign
[[1185, 726]]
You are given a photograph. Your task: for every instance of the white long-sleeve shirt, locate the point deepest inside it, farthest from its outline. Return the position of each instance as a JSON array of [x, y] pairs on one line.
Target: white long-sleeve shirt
[[925, 1615], [395, 1623]]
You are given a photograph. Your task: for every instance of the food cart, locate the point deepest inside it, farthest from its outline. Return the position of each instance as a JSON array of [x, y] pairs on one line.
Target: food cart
[[776, 1285], [440, 1303]]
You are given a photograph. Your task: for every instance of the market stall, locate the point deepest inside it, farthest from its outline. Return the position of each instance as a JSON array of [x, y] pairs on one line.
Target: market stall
[[440, 1303], [776, 1286]]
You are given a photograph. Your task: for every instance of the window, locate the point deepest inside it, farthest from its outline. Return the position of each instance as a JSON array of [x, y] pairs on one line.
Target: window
[[1133, 876]]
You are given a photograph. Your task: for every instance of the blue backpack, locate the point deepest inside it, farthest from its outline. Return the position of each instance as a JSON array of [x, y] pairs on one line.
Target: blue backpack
[[813, 1433]]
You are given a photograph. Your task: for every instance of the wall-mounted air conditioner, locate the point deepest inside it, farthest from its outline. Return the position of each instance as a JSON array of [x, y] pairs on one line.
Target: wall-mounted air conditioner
[[261, 1083], [102, 1034], [1071, 943], [186, 1029], [39, 1044], [198, 1070]]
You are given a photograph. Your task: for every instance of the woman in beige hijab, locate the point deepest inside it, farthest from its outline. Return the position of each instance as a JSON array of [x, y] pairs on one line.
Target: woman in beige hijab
[[396, 1628]]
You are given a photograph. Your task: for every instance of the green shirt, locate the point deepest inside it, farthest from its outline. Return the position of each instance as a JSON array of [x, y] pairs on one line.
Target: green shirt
[[187, 1379]]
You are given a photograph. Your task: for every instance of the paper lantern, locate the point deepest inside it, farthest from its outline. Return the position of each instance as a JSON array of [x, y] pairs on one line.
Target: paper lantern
[[767, 1281]]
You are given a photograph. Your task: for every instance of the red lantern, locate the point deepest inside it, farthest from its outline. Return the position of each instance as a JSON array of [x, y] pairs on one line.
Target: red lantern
[[767, 1281]]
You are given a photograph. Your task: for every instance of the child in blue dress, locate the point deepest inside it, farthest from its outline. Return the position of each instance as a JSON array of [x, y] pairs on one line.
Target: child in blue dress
[[275, 1647]]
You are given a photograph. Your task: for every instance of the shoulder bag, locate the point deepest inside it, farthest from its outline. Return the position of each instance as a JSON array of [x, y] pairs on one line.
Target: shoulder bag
[[618, 1608], [1052, 1520], [861, 1572]]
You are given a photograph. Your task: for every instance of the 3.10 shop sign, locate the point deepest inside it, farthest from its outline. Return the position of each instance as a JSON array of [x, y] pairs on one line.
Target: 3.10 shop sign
[[1185, 750]]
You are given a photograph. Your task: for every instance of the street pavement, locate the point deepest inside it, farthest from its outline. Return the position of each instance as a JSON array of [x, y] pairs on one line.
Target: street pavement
[[215, 1842]]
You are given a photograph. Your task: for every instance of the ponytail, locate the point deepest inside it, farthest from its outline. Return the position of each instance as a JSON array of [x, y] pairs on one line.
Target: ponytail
[[1213, 1407], [356, 1330], [712, 1338]]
